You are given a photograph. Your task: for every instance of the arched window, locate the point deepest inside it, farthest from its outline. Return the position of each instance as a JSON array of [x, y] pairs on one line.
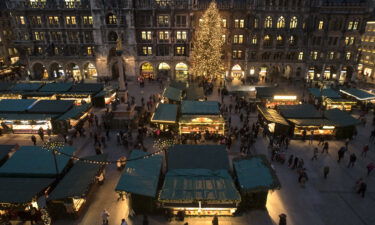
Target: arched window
[[268, 22], [280, 40], [292, 40], [281, 22], [293, 22], [111, 19]]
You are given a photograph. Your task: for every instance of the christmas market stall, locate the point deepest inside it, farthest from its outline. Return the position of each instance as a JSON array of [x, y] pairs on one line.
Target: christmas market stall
[[274, 96], [361, 96], [195, 93], [5, 92], [306, 119], [81, 93], [172, 95], [34, 161], [272, 121], [165, 117], [255, 178], [69, 198], [104, 98], [339, 103], [318, 94], [345, 124], [21, 199], [198, 183], [72, 118], [140, 179], [201, 116], [6, 151]]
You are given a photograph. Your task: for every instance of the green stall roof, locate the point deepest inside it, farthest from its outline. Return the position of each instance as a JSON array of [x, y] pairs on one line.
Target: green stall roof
[[76, 112], [325, 92], [4, 151], [56, 87], [141, 176], [178, 84], [52, 106], [20, 87], [78, 180], [312, 122], [15, 105], [172, 93], [194, 93], [166, 113], [22, 190], [255, 174], [358, 94], [200, 108], [34, 161], [270, 92], [191, 185], [27, 116], [5, 86], [341, 118], [304, 111], [272, 116], [213, 157], [88, 88]]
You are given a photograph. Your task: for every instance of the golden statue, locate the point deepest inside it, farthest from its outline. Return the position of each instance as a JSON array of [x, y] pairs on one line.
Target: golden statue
[[119, 43]]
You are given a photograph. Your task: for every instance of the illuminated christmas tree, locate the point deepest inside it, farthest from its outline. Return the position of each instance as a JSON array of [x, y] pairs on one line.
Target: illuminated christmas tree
[[207, 44]]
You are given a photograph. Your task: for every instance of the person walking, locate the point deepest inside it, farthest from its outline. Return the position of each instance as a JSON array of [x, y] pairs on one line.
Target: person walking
[[365, 149], [352, 160], [215, 220], [315, 154], [33, 139], [341, 154], [326, 171], [325, 147], [282, 219], [290, 161], [362, 189], [105, 217], [311, 137], [296, 160], [370, 167]]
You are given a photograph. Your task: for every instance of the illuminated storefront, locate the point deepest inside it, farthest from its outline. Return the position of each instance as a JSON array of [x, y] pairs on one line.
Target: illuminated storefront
[[317, 126], [165, 117], [271, 120], [182, 73], [147, 71], [339, 103]]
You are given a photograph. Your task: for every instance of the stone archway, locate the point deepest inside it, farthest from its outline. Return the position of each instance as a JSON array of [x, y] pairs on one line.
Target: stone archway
[[182, 71], [56, 70], [39, 71], [89, 71], [164, 70], [147, 71], [73, 70]]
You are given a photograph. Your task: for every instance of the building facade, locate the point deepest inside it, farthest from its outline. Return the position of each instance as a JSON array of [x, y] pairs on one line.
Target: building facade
[[367, 61], [313, 39]]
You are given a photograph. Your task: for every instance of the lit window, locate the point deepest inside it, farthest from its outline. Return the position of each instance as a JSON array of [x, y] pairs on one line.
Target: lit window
[[348, 55], [350, 25], [146, 35], [87, 20], [147, 50], [292, 40], [71, 20], [89, 51], [112, 19], [239, 23], [355, 25], [164, 35], [300, 56], [349, 40], [53, 20], [237, 54], [163, 20], [314, 55], [254, 40], [320, 25], [224, 22], [280, 22], [223, 38], [268, 22], [331, 55], [71, 3], [181, 35], [180, 50], [39, 36], [38, 20], [293, 22], [238, 39], [22, 20], [256, 23]]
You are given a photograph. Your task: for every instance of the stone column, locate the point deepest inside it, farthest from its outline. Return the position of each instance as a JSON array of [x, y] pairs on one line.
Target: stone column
[[122, 92]]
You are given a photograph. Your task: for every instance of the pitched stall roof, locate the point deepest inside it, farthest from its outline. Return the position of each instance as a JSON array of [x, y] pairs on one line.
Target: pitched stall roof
[[192, 185], [16, 105], [272, 115], [325, 92], [312, 122], [4, 151], [255, 174], [341, 118], [78, 180], [212, 157], [303, 111], [358, 94], [165, 113], [56, 87], [141, 176], [200, 108], [172, 93], [87, 88], [76, 112], [194, 93], [33, 161], [51, 106], [178, 84], [22, 190], [4, 87], [23, 87]]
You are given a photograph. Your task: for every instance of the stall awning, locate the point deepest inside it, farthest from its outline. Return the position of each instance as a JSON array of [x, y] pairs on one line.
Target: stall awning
[[85, 87], [21, 190], [76, 112], [358, 94], [325, 92], [20, 87], [212, 157], [78, 180], [172, 94], [141, 176], [191, 185], [255, 174], [56, 87], [200, 108], [27, 116], [341, 118], [51, 106], [272, 116], [194, 93], [5, 150], [340, 101], [165, 113], [15, 105], [34, 161], [303, 111], [312, 122], [178, 84], [4, 87]]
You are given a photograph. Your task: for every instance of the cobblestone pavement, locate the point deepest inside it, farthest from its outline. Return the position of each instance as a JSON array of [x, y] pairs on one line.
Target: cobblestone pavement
[[322, 202]]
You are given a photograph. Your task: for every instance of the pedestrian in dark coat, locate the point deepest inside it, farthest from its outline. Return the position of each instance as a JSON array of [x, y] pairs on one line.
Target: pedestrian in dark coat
[[33, 139], [145, 220], [215, 220], [362, 189], [296, 160], [352, 160], [326, 171], [290, 161], [282, 219], [341, 154]]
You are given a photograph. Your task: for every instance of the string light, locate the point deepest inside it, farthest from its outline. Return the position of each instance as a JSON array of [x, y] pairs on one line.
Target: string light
[[56, 146]]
